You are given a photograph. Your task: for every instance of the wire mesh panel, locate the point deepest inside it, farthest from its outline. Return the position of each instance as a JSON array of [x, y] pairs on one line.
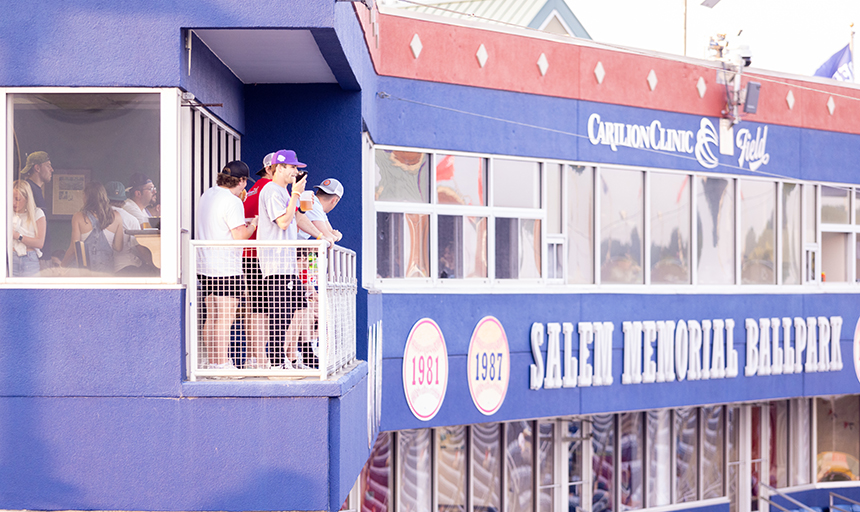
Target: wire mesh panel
[[288, 312]]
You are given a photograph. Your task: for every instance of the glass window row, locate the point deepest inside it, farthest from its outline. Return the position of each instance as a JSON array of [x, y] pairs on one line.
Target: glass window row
[[498, 219], [616, 462]]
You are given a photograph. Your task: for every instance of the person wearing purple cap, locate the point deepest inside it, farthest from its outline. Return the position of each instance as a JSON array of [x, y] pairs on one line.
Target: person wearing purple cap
[[278, 265]]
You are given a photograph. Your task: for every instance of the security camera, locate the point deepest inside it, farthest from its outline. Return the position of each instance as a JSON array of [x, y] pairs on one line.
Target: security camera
[[745, 55]]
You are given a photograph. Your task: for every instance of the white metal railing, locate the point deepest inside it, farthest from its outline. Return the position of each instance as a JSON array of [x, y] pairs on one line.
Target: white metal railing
[[290, 316]]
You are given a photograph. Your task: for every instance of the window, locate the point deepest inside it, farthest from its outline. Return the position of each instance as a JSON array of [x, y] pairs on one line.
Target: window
[[413, 470], [547, 484], [603, 463], [580, 224], [77, 150], [712, 453], [451, 469], [670, 228], [574, 436], [632, 457], [659, 458], [519, 443], [622, 225], [757, 234], [715, 223], [375, 479], [838, 421], [778, 444], [486, 467], [686, 454]]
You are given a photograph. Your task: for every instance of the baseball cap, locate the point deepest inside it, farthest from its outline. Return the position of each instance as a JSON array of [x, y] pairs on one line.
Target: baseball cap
[[267, 161], [237, 169], [137, 181], [331, 186], [115, 191], [286, 156], [35, 158]]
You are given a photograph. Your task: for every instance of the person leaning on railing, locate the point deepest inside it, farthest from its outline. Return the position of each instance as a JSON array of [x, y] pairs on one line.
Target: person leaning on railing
[[220, 216]]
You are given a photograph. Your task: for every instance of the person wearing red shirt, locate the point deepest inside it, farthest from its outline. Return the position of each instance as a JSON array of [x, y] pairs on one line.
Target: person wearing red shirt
[[257, 325]]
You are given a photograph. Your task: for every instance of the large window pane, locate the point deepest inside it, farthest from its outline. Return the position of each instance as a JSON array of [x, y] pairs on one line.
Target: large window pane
[[546, 467], [375, 478], [603, 463], [792, 250], [670, 228], [686, 454], [461, 180], [838, 451], [758, 211], [402, 176], [413, 471], [621, 226], [553, 198], [779, 444], [451, 470], [519, 443], [518, 248], [574, 437], [580, 225], [734, 454], [632, 455], [834, 257], [810, 206], [402, 245], [715, 224], [62, 144], [801, 433], [462, 245], [659, 458], [516, 183], [712, 452], [486, 468], [835, 207]]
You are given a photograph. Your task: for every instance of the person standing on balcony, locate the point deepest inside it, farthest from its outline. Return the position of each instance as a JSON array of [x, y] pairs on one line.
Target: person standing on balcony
[[328, 194], [285, 291], [257, 329], [37, 172], [140, 193], [220, 216]]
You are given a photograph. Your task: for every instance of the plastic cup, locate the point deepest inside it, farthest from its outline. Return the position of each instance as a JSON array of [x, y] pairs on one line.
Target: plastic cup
[[306, 201]]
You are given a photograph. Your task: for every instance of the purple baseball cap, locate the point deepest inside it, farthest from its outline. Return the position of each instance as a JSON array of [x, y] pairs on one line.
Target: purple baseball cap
[[286, 156]]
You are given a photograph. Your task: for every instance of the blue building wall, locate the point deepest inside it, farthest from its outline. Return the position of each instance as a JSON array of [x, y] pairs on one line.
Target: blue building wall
[[322, 123], [94, 414]]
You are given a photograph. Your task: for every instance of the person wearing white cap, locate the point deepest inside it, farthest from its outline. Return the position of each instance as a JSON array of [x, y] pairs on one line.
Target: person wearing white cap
[[328, 194]]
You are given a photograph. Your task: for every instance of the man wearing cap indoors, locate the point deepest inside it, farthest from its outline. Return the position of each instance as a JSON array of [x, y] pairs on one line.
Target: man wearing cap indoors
[[278, 265], [328, 194], [140, 193], [126, 258], [38, 171], [257, 320], [220, 216]]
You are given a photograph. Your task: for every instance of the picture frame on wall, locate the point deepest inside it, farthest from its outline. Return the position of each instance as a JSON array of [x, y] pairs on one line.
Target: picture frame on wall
[[65, 194]]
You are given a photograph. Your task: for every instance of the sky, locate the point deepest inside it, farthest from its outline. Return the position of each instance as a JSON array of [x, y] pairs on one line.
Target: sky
[[790, 36]]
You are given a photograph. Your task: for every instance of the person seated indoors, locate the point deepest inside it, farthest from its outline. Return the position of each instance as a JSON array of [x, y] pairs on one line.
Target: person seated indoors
[[99, 227], [140, 193], [28, 231], [133, 259], [328, 194]]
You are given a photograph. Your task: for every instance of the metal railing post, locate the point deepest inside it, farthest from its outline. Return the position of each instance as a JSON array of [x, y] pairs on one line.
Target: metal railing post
[[322, 305]]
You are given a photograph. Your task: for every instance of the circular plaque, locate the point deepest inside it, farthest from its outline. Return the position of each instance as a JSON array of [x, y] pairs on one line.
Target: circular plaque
[[425, 369], [489, 365]]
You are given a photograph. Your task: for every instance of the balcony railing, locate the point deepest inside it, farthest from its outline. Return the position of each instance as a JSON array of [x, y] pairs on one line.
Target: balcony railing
[[290, 314]]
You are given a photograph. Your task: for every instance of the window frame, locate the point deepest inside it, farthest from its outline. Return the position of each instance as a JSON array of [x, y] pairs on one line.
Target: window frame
[[169, 188], [810, 250]]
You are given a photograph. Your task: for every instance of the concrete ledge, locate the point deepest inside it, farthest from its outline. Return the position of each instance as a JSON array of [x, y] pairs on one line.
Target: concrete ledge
[[339, 385]]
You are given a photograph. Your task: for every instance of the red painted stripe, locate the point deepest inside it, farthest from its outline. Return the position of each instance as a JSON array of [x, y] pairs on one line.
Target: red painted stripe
[[448, 55]]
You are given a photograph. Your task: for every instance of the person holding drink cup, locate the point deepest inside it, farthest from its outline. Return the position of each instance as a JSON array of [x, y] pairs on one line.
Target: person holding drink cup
[[284, 289]]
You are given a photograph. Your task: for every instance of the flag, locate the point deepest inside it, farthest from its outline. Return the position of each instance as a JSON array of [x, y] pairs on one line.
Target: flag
[[839, 66]]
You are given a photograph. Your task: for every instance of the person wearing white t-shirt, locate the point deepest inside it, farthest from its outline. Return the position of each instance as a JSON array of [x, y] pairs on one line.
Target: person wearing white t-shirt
[[328, 194], [285, 290], [220, 216]]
